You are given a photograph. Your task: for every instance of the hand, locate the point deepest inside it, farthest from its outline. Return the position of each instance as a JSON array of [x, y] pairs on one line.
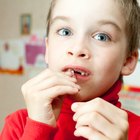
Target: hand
[[44, 94], [100, 120]]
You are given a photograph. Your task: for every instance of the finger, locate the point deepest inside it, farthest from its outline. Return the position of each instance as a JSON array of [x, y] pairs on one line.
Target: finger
[[36, 81], [109, 111], [56, 91], [51, 82], [69, 73], [98, 122], [48, 73], [41, 76], [88, 133]]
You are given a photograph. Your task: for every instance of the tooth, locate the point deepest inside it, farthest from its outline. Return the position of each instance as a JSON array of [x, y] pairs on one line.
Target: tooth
[[82, 73], [72, 72]]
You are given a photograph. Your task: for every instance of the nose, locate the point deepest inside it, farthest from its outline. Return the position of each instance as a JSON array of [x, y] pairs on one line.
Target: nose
[[80, 51]]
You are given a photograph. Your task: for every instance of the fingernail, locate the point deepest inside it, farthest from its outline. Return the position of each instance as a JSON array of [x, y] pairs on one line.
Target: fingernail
[[76, 133], [74, 106], [70, 73], [77, 86], [76, 89]]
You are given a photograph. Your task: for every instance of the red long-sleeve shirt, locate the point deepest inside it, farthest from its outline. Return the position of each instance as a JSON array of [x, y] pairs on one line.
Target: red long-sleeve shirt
[[19, 127]]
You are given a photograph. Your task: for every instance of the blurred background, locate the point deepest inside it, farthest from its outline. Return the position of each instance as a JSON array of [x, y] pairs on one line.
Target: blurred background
[[22, 48]]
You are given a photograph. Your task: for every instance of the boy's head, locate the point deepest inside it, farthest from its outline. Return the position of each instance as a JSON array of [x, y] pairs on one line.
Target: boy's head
[[131, 13], [92, 38]]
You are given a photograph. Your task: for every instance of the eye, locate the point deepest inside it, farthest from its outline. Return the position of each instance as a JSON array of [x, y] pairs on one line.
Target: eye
[[102, 37], [64, 32]]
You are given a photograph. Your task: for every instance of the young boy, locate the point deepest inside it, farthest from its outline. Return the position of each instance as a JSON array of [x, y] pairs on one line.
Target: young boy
[[90, 44]]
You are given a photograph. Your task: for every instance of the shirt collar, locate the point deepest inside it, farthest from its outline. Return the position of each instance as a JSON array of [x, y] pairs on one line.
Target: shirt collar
[[110, 96]]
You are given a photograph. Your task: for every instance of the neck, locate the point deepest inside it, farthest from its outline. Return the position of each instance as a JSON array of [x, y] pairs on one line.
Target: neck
[[112, 94]]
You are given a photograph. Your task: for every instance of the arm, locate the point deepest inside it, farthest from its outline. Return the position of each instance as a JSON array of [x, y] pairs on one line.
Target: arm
[[36, 130], [43, 97], [19, 127]]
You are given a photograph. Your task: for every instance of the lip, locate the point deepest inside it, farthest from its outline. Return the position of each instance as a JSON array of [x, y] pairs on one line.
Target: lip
[[78, 68]]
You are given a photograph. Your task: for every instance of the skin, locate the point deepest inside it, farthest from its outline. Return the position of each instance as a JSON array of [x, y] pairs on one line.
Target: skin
[[89, 34]]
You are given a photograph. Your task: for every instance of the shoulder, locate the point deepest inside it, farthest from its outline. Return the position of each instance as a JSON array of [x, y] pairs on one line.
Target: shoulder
[[134, 126], [133, 118], [14, 124], [17, 117]]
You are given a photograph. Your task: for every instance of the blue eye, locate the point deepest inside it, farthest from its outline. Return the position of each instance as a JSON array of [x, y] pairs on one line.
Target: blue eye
[[64, 32], [102, 37]]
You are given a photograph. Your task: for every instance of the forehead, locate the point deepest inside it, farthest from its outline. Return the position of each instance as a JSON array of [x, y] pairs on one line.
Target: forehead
[[75, 7], [89, 10], [87, 13]]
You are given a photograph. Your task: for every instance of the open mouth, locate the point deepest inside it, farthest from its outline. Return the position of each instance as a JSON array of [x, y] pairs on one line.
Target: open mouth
[[78, 71]]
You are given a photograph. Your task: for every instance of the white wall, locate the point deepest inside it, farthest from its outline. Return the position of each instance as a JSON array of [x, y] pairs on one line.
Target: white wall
[[10, 11]]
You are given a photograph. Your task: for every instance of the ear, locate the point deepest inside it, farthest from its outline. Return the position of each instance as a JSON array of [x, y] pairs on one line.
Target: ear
[[130, 63], [46, 53]]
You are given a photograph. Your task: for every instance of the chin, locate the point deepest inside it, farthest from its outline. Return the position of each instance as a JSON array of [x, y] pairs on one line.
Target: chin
[[79, 98]]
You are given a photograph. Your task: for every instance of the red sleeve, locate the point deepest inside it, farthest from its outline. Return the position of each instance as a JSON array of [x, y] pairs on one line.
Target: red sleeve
[[19, 127], [134, 126], [40, 131]]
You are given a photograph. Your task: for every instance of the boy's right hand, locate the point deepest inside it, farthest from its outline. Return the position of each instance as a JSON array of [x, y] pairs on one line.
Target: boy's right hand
[[44, 94]]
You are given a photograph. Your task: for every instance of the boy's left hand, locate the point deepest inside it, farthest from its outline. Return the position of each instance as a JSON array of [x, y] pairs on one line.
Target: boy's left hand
[[98, 119]]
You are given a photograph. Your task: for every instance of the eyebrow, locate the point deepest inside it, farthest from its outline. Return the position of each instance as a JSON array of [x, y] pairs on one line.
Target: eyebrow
[[106, 22], [101, 22], [63, 18]]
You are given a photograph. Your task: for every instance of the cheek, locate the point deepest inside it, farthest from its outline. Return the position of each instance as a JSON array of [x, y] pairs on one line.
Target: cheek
[[109, 64]]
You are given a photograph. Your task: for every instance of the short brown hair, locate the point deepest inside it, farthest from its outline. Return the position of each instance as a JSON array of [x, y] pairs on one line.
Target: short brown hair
[[131, 12], [53, 2]]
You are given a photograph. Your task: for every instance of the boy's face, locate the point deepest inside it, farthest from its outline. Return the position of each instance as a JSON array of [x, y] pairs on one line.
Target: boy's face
[[88, 37]]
